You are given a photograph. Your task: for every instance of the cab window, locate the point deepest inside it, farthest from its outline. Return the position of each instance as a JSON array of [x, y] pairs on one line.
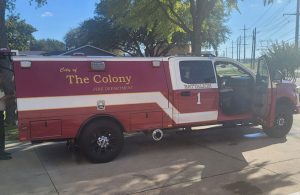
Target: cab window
[[227, 69], [262, 72], [197, 72]]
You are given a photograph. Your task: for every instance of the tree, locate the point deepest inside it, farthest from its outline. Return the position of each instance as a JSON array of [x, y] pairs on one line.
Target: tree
[[189, 16], [106, 34], [97, 32], [266, 2], [215, 31], [47, 45], [8, 84], [9, 5], [158, 33], [284, 57], [19, 33]]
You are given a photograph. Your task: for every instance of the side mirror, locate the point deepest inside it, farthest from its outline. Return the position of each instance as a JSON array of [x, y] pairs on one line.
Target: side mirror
[[277, 76]]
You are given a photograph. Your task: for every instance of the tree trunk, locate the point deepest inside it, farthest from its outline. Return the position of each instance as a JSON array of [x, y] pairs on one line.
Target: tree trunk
[[197, 20], [8, 85], [196, 38], [196, 43], [3, 36]]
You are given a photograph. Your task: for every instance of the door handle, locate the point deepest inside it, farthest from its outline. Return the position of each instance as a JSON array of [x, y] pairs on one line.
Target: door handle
[[185, 93]]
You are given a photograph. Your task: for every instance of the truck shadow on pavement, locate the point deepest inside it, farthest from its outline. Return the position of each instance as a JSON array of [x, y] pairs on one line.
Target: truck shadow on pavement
[[211, 161]]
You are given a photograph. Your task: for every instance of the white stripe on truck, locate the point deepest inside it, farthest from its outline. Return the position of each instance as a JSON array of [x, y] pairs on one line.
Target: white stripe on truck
[[81, 101]]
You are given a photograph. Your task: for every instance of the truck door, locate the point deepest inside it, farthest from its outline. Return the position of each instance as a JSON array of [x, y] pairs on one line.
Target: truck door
[[195, 90], [263, 90]]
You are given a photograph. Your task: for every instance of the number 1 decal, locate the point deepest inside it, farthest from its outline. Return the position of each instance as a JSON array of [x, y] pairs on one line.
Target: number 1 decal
[[199, 100]]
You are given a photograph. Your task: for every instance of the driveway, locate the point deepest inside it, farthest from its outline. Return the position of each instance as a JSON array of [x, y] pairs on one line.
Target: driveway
[[212, 161]]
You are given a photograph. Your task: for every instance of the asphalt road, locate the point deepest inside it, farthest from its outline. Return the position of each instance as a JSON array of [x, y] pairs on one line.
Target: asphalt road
[[212, 161]]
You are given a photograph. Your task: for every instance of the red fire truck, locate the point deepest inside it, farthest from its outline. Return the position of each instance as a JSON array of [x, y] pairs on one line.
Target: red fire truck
[[94, 101]]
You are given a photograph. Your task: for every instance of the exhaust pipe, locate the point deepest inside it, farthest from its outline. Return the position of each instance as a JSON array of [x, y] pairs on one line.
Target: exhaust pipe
[[157, 134]]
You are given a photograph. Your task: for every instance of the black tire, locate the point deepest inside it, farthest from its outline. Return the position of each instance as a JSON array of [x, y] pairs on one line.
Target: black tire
[[35, 142], [101, 141], [283, 122]]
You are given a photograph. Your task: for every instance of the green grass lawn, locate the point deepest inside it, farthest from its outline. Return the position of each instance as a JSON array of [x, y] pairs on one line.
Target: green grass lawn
[[11, 133]]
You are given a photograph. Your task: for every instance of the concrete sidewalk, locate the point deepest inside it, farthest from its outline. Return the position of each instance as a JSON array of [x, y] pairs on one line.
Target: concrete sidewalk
[[214, 161]]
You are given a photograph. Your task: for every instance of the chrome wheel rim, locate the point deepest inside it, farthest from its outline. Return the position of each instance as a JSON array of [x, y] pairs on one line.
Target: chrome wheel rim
[[281, 122], [103, 141]]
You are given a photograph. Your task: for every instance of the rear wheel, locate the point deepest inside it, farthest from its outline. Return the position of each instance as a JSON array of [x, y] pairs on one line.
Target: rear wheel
[[283, 122], [102, 141]]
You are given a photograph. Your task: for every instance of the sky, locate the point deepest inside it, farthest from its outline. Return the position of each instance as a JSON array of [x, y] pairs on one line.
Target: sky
[[270, 22], [57, 17]]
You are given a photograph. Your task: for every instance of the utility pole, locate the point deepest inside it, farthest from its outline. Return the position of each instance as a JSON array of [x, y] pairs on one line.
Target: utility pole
[[240, 43], [244, 29], [297, 25], [232, 50], [253, 49], [237, 49], [297, 14]]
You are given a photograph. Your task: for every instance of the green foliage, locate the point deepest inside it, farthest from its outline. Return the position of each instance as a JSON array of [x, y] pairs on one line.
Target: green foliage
[[106, 34], [11, 4], [19, 33], [266, 2], [72, 39], [98, 32], [214, 30], [11, 133], [136, 14], [47, 45], [284, 57], [203, 22], [146, 26], [39, 3]]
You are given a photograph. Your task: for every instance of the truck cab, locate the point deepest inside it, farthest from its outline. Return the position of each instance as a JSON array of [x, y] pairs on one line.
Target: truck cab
[[224, 91]]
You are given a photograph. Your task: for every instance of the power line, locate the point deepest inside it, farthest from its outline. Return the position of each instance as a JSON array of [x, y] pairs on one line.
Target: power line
[[290, 39], [273, 16], [258, 19], [278, 23], [297, 14], [276, 32], [287, 33], [272, 22]]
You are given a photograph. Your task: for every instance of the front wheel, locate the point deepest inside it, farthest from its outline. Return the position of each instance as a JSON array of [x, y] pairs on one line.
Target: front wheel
[[283, 122], [101, 141]]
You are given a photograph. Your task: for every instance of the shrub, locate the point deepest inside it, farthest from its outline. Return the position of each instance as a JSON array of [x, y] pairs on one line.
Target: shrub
[[284, 57]]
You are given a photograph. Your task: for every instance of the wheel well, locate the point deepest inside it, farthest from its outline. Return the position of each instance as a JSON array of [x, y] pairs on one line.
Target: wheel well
[[284, 101], [98, 117]]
